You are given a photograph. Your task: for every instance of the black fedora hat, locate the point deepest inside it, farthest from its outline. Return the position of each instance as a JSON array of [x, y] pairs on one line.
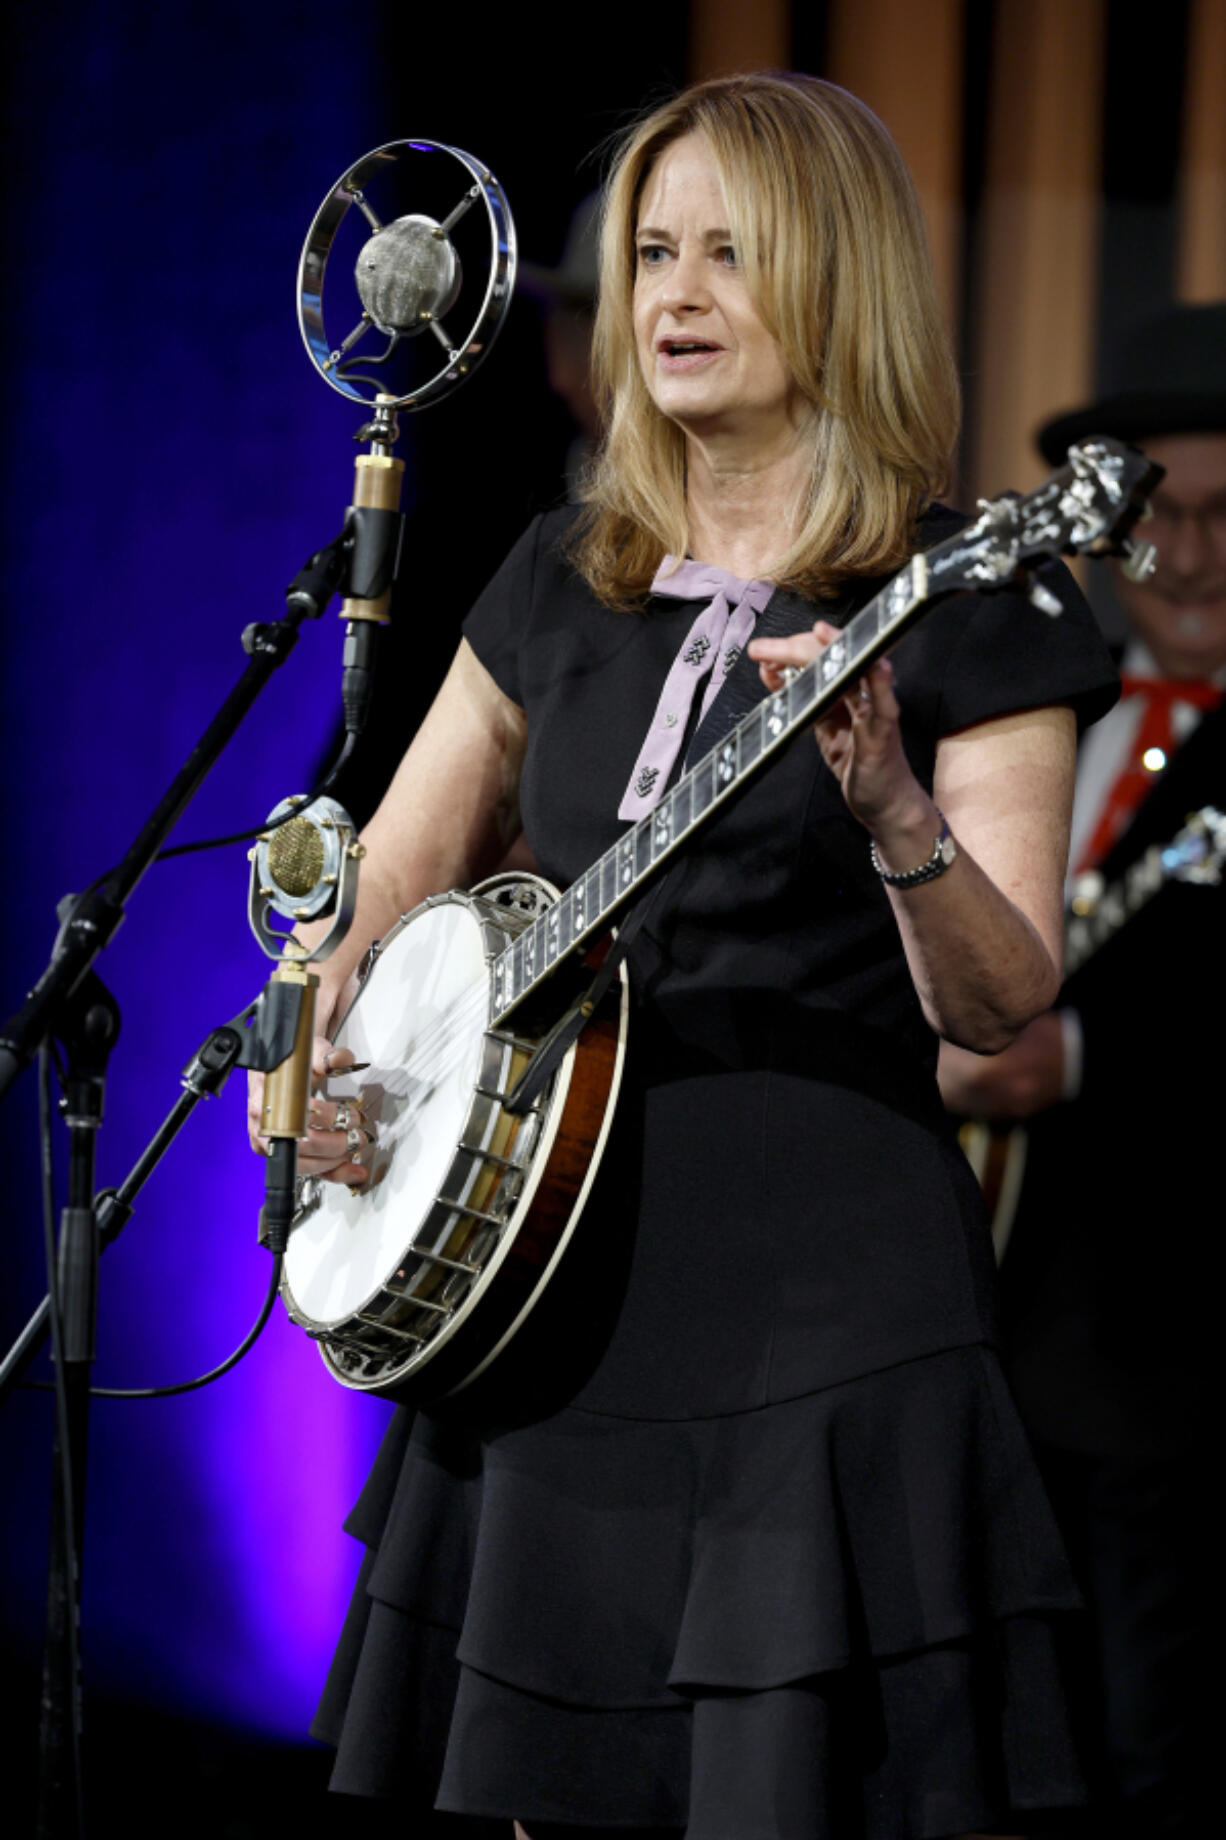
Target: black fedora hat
[[1171, 379]]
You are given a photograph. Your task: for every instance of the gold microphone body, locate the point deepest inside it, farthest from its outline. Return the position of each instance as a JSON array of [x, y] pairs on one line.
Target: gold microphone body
[[287, 1089]]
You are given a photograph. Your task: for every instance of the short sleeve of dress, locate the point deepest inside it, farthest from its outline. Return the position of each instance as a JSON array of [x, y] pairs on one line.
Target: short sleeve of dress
[[978, 656], [1012, 656], [498, 621]]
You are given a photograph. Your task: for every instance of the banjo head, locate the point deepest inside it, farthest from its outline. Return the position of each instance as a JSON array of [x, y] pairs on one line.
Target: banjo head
[[419, 1019]]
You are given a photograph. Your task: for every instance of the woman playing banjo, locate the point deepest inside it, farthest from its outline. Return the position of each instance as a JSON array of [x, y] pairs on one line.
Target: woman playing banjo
[[740, 1539]]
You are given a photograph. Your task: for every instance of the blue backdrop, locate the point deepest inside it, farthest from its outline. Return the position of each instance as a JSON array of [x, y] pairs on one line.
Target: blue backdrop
[[171, 460]]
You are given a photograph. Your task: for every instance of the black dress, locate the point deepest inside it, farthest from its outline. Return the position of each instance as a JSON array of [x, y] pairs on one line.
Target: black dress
[[742, 1535]]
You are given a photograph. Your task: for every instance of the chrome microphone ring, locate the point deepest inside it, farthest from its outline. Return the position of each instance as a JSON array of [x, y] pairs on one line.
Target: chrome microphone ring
[[461, 358]]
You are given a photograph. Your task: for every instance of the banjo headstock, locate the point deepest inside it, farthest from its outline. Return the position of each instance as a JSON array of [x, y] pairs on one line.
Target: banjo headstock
[[1087, 507]]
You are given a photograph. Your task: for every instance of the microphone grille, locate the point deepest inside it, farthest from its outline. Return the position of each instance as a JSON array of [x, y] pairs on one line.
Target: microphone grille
[[407, 269], [296, 856]]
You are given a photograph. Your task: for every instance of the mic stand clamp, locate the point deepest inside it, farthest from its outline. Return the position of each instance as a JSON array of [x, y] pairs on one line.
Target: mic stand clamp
[[273, 1020]]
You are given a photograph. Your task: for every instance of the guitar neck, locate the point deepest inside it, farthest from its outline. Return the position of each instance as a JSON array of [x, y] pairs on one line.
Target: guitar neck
[[1086, 933], [595, 899], [1193, 856]]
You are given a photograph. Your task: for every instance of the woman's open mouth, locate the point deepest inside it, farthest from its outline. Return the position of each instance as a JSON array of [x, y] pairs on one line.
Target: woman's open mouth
[[675, 354]]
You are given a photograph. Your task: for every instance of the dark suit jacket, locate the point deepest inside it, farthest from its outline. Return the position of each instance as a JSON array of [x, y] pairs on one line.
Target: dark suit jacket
[[1111, 1312]]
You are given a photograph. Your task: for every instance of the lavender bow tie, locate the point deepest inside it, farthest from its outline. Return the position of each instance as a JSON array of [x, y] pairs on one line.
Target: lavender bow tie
[[708, 652]]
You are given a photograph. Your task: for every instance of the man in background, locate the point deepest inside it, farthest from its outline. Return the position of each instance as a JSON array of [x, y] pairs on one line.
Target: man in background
[[1111, 1315], [568, 294]]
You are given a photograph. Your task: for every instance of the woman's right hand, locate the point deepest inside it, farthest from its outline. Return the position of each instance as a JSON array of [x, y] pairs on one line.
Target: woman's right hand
[[327, 1152]]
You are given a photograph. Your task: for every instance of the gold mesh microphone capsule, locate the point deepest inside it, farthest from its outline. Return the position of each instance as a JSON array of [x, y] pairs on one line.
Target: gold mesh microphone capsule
[[298, 861], [296, 857]]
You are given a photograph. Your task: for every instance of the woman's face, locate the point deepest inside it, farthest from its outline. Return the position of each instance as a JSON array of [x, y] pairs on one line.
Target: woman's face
[[707, 359]]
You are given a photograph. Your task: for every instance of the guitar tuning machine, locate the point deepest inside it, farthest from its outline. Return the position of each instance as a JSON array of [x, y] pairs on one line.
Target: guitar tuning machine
[[1087, 893], [1140, 559], [1042, 597]]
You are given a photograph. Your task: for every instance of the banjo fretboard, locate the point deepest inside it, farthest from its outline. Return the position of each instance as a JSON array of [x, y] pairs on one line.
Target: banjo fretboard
[[1088, 504], [595, 898]]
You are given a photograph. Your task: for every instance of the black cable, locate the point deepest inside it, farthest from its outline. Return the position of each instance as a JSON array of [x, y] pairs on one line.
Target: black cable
[[188, 1386], [58, 1385], [346, 371], [261, 830]]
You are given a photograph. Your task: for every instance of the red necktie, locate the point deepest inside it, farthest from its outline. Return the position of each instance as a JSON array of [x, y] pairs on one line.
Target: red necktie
[[1155, 730]]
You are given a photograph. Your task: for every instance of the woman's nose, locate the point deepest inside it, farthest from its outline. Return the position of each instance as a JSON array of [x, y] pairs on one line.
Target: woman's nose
[[686, 289]]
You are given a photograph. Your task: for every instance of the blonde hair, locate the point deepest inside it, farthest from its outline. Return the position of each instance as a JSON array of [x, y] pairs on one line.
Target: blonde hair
[[829, 234]]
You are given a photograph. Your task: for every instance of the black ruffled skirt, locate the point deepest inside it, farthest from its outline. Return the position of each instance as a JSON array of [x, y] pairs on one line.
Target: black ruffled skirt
[[833, 1616]]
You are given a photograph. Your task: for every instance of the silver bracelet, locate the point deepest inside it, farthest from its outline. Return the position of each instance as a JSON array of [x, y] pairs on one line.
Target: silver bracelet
[[944, 852]]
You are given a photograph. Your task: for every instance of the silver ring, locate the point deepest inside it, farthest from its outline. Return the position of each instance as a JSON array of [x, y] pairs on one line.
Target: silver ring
[[354, 1138], [343, 1116]]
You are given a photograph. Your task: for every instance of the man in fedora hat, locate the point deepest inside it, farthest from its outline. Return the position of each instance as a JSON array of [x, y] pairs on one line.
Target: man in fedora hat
[[1110, 1319]]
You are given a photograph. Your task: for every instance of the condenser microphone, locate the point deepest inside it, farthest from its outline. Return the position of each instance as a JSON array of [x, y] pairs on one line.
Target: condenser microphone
[[409, 276], [304, 867]]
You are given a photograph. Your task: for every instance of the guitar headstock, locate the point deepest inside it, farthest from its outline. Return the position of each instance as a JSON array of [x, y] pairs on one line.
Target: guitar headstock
[[1086, 508]]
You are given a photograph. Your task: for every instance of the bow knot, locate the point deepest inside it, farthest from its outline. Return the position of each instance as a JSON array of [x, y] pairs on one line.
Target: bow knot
[[708, 652]]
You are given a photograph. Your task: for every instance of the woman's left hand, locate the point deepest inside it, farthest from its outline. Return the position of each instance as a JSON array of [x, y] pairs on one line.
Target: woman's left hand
[[859, 735]]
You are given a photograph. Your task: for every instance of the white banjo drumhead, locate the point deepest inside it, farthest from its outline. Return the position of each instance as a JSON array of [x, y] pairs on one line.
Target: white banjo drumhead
[[419, 1020]]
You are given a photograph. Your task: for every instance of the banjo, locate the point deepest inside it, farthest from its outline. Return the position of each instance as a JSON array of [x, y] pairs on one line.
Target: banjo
[[413, 1285]]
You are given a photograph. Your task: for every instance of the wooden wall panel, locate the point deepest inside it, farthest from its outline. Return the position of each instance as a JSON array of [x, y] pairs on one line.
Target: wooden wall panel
[[1038, 243], [731, 35], [1202, 181], [906, 62]]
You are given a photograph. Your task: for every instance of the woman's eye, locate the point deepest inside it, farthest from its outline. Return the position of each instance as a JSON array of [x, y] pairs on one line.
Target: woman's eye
[[727, 256], [651, 254]]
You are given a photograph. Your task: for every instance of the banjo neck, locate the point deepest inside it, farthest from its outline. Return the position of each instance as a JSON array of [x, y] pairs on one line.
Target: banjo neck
[[595, 899], [1087, 505]]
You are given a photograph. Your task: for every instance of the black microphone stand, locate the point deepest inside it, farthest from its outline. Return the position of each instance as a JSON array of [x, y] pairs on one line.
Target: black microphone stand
[[95, 916], [203, 1077], [70, 1004], [87, 1027]]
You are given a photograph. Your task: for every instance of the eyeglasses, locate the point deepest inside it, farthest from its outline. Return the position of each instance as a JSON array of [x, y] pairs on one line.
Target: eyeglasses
[[1168, 518]]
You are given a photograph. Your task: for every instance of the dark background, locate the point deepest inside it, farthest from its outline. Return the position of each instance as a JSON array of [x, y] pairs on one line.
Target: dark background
[[170, 460]]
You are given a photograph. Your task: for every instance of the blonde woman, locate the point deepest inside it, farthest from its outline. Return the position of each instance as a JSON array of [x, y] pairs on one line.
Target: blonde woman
[[740, 1539]]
